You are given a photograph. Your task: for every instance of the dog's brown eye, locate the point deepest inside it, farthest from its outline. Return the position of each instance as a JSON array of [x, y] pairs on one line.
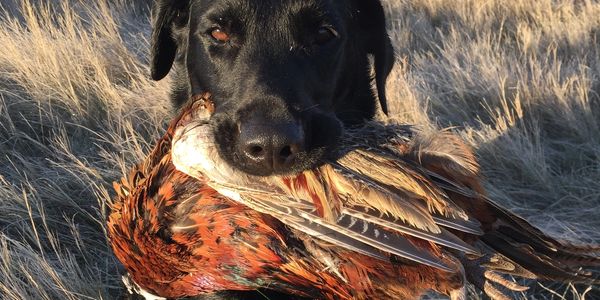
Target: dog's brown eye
[[220, 35], [325, 34]]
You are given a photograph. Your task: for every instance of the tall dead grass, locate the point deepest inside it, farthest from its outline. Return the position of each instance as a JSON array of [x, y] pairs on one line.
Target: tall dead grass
[[519, 79], [76, 108]]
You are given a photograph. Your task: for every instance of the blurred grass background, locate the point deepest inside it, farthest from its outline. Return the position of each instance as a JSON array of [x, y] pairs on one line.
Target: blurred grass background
[[518, 79]]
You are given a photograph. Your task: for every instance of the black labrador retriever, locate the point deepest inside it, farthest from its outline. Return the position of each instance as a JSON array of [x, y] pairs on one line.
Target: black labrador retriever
[[286, 75]]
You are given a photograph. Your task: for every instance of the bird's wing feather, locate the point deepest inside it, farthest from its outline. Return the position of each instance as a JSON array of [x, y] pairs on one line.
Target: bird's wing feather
[[390, 242], [394, 174], [444, 237], [362, 191], [336, 238]]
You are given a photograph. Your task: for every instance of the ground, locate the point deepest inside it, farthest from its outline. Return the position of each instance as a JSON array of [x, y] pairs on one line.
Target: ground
[[518, 79]]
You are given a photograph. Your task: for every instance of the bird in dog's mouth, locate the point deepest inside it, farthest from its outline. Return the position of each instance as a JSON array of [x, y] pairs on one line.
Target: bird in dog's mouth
[[390, 191]]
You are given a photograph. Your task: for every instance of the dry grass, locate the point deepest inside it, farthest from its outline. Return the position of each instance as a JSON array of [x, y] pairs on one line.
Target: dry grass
[[519, 79]]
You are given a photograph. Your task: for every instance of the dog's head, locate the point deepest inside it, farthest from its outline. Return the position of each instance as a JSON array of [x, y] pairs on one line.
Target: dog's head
[[286, 75]]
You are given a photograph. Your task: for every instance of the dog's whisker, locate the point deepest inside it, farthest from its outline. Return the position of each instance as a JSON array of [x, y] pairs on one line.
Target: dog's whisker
[[310, 108]]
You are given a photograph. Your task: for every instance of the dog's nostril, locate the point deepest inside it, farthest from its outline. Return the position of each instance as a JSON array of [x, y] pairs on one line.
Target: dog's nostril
[[286, 152], [255, 151]]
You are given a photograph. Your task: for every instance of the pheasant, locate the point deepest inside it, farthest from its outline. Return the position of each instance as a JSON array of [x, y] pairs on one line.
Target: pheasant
[[405, 211], [177, 236]]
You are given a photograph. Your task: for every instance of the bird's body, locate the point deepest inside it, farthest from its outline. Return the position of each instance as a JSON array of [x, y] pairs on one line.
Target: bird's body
[[390, 216], [178, 237]]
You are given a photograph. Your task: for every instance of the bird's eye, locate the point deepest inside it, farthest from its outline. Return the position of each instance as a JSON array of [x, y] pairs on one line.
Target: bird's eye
[[325, 34], [219, 35]]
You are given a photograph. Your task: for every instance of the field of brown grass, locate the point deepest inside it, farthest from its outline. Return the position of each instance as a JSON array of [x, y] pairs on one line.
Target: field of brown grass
[[518, 79]]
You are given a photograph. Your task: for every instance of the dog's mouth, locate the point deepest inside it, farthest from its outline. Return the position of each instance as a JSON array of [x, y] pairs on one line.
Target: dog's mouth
[[196, 150]]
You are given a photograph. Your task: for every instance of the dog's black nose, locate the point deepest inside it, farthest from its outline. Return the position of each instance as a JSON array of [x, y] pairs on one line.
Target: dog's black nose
[[266, 148]]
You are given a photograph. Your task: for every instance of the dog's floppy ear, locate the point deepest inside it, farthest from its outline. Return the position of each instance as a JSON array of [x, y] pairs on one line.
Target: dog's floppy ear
[[166, 14], [377, 41]]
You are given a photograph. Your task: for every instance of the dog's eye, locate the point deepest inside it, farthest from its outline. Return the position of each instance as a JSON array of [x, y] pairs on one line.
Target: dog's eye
[[325, 34], [219, 35]]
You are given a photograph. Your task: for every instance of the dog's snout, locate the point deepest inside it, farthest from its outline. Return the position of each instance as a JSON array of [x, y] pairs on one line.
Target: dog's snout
[[266, 148]]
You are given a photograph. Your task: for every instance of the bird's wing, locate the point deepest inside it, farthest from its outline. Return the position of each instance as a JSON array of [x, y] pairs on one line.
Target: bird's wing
[[407, 180]]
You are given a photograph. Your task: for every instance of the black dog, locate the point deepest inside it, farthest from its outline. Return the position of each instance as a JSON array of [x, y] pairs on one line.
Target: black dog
[[286, 75]]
